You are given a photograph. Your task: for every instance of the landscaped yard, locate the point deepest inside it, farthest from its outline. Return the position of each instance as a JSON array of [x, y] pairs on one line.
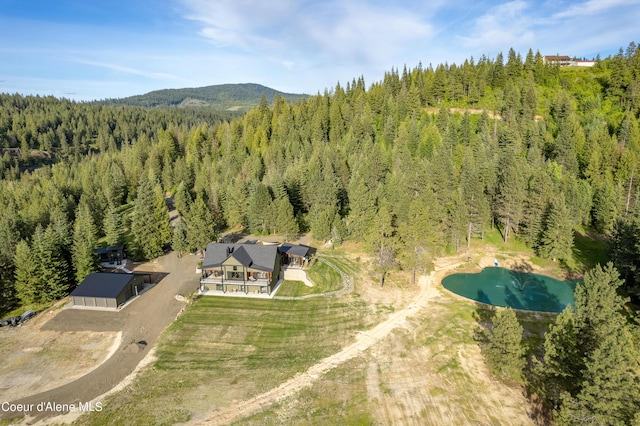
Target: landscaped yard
[[324, 278]]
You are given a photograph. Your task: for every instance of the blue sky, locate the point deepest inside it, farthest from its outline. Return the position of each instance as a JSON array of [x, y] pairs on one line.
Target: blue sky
[[95, 49]]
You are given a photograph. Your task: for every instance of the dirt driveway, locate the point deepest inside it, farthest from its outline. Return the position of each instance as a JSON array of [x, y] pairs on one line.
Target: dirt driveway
[[143, 320]]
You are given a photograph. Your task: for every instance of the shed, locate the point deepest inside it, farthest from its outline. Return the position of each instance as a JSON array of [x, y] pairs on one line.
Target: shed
[[112, 254], [107, 289], [295, 255]]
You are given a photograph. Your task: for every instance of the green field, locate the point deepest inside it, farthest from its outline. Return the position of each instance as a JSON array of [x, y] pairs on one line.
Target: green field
[[226, 349]]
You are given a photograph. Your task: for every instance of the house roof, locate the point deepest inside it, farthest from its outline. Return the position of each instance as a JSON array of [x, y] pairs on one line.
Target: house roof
[[254, 256], [104, 250], [102, 284], [294, 250], [557, 58]]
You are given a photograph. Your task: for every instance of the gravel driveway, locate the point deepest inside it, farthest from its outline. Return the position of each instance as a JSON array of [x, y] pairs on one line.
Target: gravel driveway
[[143, 320]]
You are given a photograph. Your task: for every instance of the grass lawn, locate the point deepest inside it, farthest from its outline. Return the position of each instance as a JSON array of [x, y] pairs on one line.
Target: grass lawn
[[226, 349], [324, 278]]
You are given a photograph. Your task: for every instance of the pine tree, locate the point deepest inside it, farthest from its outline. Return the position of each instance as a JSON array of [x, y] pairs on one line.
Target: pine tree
[[259, 202], [504, 350], [199, 225], [590, 362], [510, 193], [52, 269], [180, 243], [556, 240], [113, 227], [26, 282], [182, 199], [150, 222], [85, 242], [610, 391], [161, 216], [421, 233], [362, 206], [285, 221], [604, 207]]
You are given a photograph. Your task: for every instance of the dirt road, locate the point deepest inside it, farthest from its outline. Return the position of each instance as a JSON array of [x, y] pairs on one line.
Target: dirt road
[[143, 320], [363, 342]]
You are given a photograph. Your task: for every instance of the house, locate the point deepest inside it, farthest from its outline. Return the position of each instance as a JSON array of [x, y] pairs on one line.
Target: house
[[295, 256], [583, 63], [246, 268], [108, 289], [557, 59], [566, 61], [111, 255]]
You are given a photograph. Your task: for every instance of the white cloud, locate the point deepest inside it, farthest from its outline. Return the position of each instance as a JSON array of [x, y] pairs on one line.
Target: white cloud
[[320, 31], [506, 25], [593, 7]]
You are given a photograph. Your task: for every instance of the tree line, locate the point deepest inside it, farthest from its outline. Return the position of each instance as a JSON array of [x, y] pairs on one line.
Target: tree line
[[553, 150]]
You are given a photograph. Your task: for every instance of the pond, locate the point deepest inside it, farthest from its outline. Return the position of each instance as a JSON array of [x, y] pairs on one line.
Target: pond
[[519, 290]]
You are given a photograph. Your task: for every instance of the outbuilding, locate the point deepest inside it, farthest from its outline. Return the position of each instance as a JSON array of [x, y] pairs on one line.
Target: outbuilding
[[107, 289], [295, 256]]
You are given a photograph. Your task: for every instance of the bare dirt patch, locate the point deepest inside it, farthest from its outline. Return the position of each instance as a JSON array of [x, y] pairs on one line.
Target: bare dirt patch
[[81, 332], [36, 359], [421, 368]]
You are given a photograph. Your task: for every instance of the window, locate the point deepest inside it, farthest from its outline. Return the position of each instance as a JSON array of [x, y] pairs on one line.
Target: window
[[235, 268]]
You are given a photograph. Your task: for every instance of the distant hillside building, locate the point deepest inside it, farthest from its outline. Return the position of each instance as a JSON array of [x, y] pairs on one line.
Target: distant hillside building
[[567, 61]]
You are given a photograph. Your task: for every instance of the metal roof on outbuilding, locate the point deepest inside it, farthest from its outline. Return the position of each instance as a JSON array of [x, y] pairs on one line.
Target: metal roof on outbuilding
[[294, 250], [102, 284]]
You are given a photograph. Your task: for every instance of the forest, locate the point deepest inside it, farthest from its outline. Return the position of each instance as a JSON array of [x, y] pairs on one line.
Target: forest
[[413, 167]]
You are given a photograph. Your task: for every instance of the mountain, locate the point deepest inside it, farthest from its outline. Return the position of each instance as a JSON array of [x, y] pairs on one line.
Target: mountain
[[234, 97]]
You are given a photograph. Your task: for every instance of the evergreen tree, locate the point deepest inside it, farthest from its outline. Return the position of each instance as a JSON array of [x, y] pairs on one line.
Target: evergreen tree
[[285, 222], [556, 240], [85, 242], [113, 228], [510, 193], [610, 391], [604, 211], [590, 362], [26, 281], [626, 252], [259, 203], [420, 234], [200, 228], [150, 222], [503, 349], [161, 216], [182, 199], [52, 269], [382, 239], [180, 243]]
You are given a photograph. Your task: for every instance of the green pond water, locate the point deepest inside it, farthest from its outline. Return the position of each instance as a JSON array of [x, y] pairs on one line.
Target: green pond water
[[519, 290]]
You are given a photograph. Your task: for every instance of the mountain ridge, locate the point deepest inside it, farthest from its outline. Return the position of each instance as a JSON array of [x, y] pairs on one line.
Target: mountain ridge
[[230, 96]]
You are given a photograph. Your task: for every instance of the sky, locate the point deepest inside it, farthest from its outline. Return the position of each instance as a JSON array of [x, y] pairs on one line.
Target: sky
[[98, 49]]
